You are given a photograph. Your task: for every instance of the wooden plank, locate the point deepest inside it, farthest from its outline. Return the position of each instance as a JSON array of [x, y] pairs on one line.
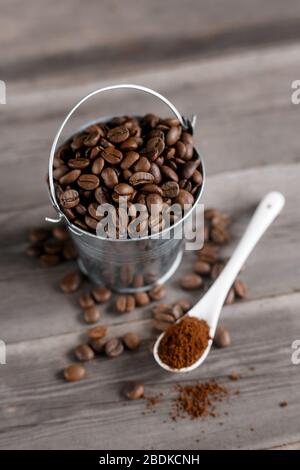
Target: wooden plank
[[30, 292], [241, 102], [92, 414], [48, 39]]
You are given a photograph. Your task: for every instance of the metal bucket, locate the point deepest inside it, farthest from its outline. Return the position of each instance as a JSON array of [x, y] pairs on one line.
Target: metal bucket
[[126, 265]]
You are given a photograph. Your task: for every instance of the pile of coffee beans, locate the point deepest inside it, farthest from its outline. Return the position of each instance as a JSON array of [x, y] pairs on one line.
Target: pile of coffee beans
[[147, 160]]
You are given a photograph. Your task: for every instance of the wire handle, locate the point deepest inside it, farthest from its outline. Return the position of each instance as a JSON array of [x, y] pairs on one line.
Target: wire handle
[[182, 121]]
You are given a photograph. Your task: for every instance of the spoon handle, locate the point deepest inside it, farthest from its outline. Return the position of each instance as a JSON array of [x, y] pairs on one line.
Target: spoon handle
[[265, 213]]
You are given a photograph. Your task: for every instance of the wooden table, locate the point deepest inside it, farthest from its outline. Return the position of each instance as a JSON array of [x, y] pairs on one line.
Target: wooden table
[[231, 63]]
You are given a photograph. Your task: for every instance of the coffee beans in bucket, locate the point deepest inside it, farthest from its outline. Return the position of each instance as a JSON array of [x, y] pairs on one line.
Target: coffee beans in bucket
[[147, 160]]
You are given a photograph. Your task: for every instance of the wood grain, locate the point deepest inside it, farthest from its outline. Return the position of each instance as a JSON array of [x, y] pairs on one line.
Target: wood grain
[[92, 414]]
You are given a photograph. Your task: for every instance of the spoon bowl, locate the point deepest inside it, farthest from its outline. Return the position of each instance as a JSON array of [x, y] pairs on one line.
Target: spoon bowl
[[210, 305]]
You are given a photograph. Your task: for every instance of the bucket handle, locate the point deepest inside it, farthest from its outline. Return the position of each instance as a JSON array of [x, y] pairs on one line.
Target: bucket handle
[[184, 122]]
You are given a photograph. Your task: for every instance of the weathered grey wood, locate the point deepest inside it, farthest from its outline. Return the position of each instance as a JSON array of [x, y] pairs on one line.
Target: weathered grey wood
[[48, 312], [245, 116], [92, 414], [61, 38]]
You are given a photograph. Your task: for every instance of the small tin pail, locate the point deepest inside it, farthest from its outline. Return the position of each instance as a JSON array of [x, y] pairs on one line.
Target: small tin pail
[[126, 265]]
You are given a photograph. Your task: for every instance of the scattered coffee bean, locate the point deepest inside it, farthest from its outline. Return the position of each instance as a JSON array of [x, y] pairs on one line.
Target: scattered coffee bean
[[157, 292], [134, 391], [131, 340], [97, 332], [70, 283], [201, 267], [98, 344], [84, 352], [49, 260], [240, 289], [34, 250], [141, 299], [234, 376], [74, 372], [185, 304], [114, 347], [61, 233], [222, 337], [69, 250], [86, 300], [101, 294], [92, 314], [125, 303], [38, 235], [283, 404], [191, 281]]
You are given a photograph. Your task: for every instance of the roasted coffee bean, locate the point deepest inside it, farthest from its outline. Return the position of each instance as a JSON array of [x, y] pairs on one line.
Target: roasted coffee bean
[[118, 134], [141, 177], [160, 308], [189, 168], [38, 235], [191, 281], [211, 213], [129, 160], [70, 177], [209, 253], [170, 189], [91, 222], [101, 196], [164, 317], [130, 144], [143, 164], [184, 198], [170, 153], [34, 250], [113, 347], [92, 209], [180, 150], [230, 297], [69, 213], [155, 171], [169, 173], [134, 391], [124, 189], [157, 292], [60, 171], [222, 337], [131, 340], [184, 304], [69, 198], [101, 294], [60, 233], [197, 177], [92, 139], [219, 235], [53, 246], [125, 303], [141, 299], [200, 267], [216, 270], [161, 325], [154, 203], [70, 283], [94, 153], [80, 209], [155, 146], [98, 344], [98, 166], [88, 182], [69, 250], [173, 135], [221, 220], [84, 352], [112, 155], [240, 289], [152, 188], [78, 163], [49, 260], [91, 314], [74, 372], [97, 332], [109, 177], [86, 300]]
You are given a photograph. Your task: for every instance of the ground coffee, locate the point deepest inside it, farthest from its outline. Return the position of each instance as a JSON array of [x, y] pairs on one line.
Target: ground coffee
[[184, 342]]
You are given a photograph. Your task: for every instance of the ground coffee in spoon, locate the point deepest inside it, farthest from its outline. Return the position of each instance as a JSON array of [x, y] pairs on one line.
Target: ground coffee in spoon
[[184, 343]]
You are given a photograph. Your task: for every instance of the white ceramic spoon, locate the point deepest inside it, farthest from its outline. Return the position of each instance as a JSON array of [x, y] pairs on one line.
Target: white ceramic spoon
[[210, 306]]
